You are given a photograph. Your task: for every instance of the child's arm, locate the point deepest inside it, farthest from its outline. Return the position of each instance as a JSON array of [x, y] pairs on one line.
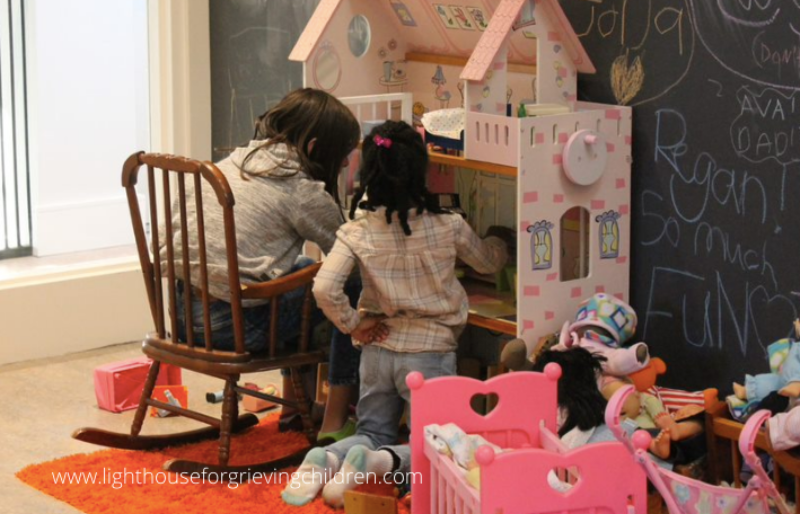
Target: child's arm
[[483, 255], [331, 298], [329, 287]]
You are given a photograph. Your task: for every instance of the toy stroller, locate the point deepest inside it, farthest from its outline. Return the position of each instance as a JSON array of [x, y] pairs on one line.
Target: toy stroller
[[685, 495]]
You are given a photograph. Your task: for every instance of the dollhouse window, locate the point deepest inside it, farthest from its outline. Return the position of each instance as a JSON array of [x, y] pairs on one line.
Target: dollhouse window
[[359, 35], [327, 67], [527, 15], [541, 245], [574, 244], [609, 235]]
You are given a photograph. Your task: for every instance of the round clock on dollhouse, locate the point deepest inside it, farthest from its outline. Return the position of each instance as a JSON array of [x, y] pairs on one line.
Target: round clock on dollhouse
[[585, 157]]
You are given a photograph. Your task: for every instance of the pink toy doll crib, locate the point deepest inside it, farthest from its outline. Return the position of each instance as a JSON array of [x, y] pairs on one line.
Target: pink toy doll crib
[[685, 495], [514, 482]]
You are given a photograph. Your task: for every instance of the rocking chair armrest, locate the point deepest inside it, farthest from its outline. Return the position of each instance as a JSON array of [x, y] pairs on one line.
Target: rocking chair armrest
[[282, 285]]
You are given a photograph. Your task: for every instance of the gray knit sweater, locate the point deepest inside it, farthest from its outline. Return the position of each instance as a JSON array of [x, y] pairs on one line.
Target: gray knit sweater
[[274, 215]]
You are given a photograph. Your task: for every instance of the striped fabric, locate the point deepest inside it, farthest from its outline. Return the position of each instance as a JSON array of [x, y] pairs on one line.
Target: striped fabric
[[675, 399]]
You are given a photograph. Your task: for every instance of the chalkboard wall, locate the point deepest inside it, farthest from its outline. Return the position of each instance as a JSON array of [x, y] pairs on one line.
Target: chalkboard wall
[[715, 218], [250, 72]]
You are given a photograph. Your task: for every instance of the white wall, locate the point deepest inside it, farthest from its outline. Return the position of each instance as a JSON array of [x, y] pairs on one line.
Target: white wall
[[105, 78], [88, 110]]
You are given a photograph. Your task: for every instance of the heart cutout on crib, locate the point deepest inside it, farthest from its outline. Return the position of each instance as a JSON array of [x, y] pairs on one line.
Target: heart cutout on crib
[[483, 404], [562, 480]]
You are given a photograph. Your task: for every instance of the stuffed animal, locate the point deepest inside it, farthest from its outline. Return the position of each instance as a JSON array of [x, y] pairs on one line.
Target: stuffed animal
[[784, 361], [602, 324], [671, 414]]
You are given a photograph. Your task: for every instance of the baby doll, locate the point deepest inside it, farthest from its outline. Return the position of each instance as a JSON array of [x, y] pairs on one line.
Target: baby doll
[[581, 407], [784, 360]]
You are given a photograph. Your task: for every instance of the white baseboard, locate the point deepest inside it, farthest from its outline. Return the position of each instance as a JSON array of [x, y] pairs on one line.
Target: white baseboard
[[53, 316], [76, 227]]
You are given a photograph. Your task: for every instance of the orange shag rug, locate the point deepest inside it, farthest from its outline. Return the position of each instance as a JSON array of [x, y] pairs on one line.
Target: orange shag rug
[[139, 492]]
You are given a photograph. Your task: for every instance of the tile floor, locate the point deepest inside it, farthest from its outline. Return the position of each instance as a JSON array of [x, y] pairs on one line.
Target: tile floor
[[45, 400]]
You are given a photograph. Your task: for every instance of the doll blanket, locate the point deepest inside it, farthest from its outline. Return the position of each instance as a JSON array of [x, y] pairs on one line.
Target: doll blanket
[[445, 122]]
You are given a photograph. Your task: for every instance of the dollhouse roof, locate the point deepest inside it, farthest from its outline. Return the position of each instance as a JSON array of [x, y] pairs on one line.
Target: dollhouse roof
[[501, 26], [480, 46], [313, 31]]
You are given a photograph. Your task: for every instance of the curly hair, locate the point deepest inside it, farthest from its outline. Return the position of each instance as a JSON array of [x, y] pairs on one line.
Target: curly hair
[[393, 173]]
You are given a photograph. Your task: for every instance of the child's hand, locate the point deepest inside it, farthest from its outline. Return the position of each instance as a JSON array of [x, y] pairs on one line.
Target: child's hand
[[370, 330]]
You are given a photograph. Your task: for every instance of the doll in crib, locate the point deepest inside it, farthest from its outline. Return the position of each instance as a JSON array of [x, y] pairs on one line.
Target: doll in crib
[[784, 361]]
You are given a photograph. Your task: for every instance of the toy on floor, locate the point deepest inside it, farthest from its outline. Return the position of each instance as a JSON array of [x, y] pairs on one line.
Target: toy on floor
[[684, 495], [784, 361], [363, 503], [175, 395], [253, 404]]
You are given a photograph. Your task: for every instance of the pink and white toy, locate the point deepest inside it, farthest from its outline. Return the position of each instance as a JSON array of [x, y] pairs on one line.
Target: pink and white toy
[[515, 481]]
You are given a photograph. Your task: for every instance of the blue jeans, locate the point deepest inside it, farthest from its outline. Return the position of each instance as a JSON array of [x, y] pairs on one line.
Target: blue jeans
[[383, 396], [344, 357]]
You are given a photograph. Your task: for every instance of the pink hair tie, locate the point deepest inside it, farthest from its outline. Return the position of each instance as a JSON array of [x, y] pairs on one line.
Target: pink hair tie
[[382, 141]]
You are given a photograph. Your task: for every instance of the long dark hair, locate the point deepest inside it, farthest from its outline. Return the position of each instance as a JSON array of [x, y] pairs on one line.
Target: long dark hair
[[300, 117], [394, 165], [578, 394]]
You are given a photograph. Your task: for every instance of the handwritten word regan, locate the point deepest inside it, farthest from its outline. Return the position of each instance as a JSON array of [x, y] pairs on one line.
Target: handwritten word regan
[[695, 184]]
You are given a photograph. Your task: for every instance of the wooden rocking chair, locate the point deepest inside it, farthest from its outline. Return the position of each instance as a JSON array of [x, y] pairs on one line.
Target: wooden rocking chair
[[164, 346]]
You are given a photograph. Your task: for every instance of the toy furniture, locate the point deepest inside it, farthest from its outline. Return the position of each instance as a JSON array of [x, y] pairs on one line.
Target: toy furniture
[[724, 461], [514, 481], [570, 204], [163, 346], [684, 495]]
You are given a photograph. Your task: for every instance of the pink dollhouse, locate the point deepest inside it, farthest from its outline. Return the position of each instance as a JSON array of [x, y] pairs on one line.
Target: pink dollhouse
[[477, 63]]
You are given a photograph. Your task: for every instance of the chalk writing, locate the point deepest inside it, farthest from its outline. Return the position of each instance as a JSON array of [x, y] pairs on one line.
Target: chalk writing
[[706, 179], [713, 310], [754, 39], [712, 319], [768, 126], [646, 33]]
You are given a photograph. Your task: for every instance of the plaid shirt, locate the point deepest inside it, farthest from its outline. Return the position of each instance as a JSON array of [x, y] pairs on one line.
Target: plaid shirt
[[409, 279]]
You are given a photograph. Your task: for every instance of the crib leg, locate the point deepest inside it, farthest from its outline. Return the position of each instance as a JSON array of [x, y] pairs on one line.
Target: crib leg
[[797, 495]]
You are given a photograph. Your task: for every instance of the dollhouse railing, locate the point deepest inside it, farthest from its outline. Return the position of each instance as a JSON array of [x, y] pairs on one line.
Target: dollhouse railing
[[502, 140], [492, 138], [392, 106]]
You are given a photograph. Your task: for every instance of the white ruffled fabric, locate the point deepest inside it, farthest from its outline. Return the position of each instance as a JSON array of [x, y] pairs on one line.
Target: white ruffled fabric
[[445, 122]]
